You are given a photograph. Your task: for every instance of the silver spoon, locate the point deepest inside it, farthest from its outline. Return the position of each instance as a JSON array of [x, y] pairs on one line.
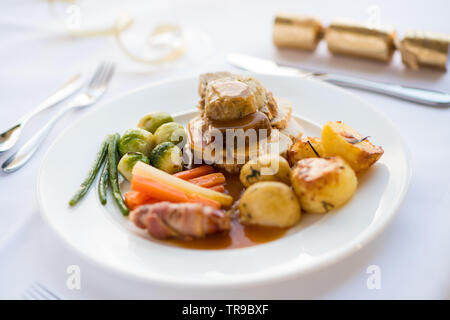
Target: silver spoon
[[9, 138]]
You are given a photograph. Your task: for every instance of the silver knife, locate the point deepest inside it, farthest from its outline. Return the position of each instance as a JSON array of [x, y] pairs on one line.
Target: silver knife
[[9, 137], [417, 95]]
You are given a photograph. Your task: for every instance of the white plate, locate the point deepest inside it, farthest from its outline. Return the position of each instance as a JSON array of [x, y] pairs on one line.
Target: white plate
[[103, 235]]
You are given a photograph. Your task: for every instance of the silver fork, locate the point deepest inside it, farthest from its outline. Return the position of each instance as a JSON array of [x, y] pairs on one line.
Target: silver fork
[[95, 89], [10, 137], [37, 291]]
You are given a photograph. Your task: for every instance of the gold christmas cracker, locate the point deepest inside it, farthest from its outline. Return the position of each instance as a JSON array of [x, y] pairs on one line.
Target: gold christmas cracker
[[360, 40], [425, 49], [297, 31], [346, 37]]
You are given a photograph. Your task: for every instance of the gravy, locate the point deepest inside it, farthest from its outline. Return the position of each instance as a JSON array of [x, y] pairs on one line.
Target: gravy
[[256, 120], [239, 236]]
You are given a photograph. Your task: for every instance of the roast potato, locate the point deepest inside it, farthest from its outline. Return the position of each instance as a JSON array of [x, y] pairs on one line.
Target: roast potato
[[322, 184], [269, 203], [301, 149], [268, 167], [339, 139]]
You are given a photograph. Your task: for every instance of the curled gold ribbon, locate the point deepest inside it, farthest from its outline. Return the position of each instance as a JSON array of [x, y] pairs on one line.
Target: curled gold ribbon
[[123, 23], [174, 54]]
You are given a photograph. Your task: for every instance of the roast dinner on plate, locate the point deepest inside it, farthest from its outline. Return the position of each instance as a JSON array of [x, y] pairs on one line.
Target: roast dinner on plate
[[240, 173]]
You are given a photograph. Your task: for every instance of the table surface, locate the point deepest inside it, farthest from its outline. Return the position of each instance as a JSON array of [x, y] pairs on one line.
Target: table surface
[[413, 252]]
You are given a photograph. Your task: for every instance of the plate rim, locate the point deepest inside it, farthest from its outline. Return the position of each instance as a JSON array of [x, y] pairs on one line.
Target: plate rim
[[294, 271]]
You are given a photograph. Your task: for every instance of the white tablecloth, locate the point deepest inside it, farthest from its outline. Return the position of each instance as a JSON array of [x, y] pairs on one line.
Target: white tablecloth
[[413, 253]]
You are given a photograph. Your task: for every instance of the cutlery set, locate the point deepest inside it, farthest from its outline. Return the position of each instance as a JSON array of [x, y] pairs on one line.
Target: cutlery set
[[89, 96], [104, 72]]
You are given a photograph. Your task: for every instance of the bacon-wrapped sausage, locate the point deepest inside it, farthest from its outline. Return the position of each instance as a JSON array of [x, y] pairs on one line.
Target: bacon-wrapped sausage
[[180, 220]]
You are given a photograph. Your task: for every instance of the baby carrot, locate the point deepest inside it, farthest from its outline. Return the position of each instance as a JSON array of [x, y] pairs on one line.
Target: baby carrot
[[209, 180], [194, 173], [205, 201], [157, 190], [134, 199], [147, 171], [218, 188]]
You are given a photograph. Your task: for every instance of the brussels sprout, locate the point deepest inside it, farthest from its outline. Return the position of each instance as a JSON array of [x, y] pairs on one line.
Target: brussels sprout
[[136, 140], [154, 120], [167, 157], [128, 161], [170, 132]]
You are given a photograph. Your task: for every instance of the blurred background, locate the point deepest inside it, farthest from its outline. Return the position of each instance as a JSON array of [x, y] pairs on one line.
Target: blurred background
[[43, 43]]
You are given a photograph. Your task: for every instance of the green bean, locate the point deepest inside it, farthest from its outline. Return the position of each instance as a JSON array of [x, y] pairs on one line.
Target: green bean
[[113, 175], [103, 183], [86, 184]]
